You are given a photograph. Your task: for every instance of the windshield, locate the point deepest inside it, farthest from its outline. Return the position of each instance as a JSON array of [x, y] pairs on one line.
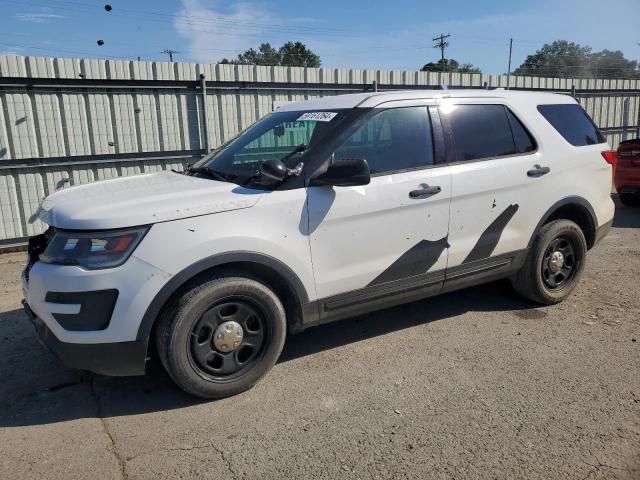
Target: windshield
[[281, 135]]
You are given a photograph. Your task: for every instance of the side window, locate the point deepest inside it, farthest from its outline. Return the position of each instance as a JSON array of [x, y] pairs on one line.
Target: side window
[[480, 131], [392, 140], [573, 123], [522, 138]]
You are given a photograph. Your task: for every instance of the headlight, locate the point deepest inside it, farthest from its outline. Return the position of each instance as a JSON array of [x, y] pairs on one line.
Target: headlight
[[93, 250]]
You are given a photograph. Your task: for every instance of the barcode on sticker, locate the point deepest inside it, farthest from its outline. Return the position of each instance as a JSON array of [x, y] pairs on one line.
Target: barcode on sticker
[[317, 116]]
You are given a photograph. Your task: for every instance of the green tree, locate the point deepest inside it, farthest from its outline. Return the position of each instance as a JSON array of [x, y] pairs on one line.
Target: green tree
[[557, 59], [569, 59], [450, 65], [298, 55], [293, 54], [608, 64]]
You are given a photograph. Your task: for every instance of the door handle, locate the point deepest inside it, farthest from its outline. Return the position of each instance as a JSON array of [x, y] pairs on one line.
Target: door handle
[[538, 171], [425, 192]]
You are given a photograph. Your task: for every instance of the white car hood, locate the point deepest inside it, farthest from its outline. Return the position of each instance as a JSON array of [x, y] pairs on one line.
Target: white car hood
[[141, 200]]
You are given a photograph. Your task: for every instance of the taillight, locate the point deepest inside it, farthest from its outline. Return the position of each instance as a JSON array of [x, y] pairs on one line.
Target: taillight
[[610, 156]]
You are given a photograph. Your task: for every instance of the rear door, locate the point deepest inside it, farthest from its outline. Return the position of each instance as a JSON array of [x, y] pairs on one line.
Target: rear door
[[373, 242], [497, 175]]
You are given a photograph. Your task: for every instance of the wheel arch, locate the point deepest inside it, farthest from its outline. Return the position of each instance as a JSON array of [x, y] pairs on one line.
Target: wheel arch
[[274, 273], [576, 209]]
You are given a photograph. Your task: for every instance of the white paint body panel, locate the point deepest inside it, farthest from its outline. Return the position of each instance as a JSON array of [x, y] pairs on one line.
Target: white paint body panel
[[272, 227], [141, 200], [137, 283], [357, 232]]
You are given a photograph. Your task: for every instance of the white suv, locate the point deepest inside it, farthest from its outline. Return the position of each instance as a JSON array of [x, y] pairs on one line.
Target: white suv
[[322, 210]]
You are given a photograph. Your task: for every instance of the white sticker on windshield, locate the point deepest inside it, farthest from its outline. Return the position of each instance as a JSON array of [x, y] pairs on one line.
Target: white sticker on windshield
[[317, 116]]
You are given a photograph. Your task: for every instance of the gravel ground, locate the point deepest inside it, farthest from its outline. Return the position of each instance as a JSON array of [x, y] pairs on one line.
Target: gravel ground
[[474, 384]]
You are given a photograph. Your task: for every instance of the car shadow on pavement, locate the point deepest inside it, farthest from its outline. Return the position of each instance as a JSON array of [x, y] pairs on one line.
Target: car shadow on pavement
[[495, 296], [625, 217], [35, 389]]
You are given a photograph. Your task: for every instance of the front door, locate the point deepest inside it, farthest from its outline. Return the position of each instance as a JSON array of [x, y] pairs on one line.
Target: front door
[[373, 243]]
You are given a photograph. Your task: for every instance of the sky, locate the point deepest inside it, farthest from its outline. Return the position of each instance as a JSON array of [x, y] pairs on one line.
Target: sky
[[345, 33]]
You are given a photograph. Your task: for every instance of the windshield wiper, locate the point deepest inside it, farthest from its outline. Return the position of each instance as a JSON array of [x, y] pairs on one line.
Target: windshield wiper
[[222, 177]]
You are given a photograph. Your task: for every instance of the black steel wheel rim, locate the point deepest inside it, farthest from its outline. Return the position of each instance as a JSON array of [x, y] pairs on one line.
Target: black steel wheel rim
[[554, 274], [209, 360]]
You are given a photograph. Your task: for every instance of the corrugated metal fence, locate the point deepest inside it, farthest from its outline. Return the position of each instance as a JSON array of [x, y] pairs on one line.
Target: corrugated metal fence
[[72, 121]]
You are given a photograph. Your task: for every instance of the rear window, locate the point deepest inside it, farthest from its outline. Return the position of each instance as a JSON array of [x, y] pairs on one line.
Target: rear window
[[487, 131], [573, 123]]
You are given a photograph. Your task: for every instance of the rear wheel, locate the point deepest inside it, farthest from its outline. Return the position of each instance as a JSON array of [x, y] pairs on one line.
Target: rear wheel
[[554, 263], [221, 336]]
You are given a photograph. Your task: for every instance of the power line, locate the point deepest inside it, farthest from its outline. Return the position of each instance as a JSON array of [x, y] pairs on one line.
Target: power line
[[538, 71], [144, 15], [231, 24], [58, 50], [235, 50], [227, 50], [147, 15], [240, 27], [145, 53]]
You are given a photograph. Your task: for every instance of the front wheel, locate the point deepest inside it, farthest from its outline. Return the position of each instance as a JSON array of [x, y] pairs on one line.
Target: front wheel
[[554, 264], [221, 336]]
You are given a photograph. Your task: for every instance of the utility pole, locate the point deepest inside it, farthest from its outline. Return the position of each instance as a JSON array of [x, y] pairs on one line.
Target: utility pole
[[441, 44], [171, 53], [509, 70]]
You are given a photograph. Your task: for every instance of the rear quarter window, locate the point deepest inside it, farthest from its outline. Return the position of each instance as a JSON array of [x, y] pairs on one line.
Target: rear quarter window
[[573, 123]]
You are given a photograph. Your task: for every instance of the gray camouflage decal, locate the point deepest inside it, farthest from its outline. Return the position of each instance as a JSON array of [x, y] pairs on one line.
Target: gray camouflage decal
[[415, 261], [489, 239]]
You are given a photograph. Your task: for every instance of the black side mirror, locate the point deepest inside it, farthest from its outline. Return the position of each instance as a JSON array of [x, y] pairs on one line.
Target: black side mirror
[[274, 169], [345, 173]]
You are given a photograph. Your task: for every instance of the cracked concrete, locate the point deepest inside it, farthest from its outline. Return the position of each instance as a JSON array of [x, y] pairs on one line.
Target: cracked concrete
[[475, 384], [190, 448], [105, 427], [234, 475]]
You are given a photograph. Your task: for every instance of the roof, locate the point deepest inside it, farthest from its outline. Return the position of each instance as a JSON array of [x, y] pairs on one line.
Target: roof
[[373, 99]]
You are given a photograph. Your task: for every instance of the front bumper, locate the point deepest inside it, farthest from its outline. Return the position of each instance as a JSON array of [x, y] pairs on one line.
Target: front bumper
[[117, 359], [81, 306]]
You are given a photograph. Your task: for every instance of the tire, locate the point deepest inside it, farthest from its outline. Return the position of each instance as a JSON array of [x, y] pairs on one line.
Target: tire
[[541, 270], [200, 346], [630, 199]]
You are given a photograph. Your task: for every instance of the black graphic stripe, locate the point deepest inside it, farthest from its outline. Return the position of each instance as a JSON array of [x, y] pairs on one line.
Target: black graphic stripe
[[415, 261], [489, 239]]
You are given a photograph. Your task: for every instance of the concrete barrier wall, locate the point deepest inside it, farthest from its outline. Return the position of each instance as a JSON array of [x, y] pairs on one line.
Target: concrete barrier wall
[[90, 119]]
